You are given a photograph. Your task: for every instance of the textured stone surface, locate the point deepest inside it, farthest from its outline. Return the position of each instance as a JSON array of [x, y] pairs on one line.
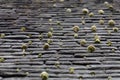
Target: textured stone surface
[[34, 16]]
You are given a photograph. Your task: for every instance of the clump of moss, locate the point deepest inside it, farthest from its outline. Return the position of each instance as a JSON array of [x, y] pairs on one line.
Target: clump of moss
[[2, 35], [57, 64], [92, 73], [49, 41], [2, 59], [81, 77], [30, 42], [109, 77], [44, 75], [50, 20], [111, 22], [91, 48], [39, 55], [93, 28], [51, 29], [109, 32], [101, 11], [106, 3], [68, 10], [24, 47], [109, 43], [110, 7], [83, 42], [75, 35], [76, 29], [27, 73], [61, 0], [46, 46], [97, 39], [91, 14], [54, 5], [71, 70], [23, 29], [115, 29], [18, 70], [85, 11], [83, 22], [58, 23], [113, 50], [29, 35], [40, 36], [101, 21], [88, 66], [49, 34]]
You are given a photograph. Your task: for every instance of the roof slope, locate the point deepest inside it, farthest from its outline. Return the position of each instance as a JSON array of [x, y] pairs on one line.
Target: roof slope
[[29, 23]]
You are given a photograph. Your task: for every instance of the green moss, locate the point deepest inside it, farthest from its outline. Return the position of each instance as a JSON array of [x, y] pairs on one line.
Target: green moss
[[115, 29], [57, 64], [83, 42], [24, 47], [81, 77], [91, 48], [29, 35], [39, 55], [111, 22], [92, 73], [40, 36], [109, 32], [49, 34], [46, 46], [106, 3], [101, 11], [2, 35], [30, 42], [97, 39], [91, 14], [110, 7], [2, 59], [54, 5], [93, 28], [50, 20], [109, 77], [76, 29], [109, 43], [18, 70], [58, 23], [71, 70], [68, 10], [49, 41], [61, 0], [83, 22], [113, 50], [51, 29], [23, 29], [44, 75], [27, 73], [85, 11], [101, 21], [96, 36], [75, 35]]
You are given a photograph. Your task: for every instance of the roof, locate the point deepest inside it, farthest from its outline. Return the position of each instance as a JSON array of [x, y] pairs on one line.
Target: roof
[[24, 29]]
